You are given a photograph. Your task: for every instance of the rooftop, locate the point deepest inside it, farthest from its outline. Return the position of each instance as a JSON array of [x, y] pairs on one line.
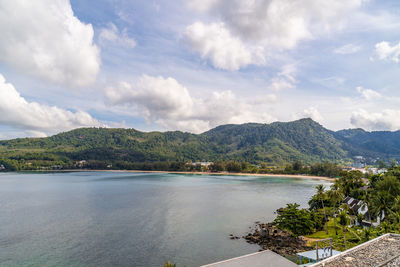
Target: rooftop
[[381, 251], [265, 258]]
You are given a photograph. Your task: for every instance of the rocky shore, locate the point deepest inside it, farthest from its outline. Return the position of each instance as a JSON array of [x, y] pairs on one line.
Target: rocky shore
[[269, 237]]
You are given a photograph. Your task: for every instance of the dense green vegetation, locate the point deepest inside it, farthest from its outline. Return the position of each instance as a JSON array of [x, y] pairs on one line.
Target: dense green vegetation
[[263, 145], [298, 221], [327, 215]]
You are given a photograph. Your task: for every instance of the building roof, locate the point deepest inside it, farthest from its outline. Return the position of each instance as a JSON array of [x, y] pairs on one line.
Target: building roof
[[265, 258], [381, 251]]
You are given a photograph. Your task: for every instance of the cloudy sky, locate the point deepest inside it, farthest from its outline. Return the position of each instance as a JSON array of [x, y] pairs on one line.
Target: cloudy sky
[[191, 65]]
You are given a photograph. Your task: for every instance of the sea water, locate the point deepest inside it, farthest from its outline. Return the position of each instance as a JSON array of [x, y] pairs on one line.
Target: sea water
[[135, 219]]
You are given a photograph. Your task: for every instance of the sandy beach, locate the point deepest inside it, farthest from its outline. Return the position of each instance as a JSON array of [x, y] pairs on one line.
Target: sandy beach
[[301, 176]]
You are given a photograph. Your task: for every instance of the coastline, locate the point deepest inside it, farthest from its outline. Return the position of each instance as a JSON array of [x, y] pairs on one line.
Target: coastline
[[295, 176]]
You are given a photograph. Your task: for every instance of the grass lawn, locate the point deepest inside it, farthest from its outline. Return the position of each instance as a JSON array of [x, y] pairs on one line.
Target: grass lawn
[[338, 241], [331, 231]]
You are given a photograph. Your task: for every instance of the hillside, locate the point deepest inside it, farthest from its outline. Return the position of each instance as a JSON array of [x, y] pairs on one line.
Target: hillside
[[276, 143], [382, 144]]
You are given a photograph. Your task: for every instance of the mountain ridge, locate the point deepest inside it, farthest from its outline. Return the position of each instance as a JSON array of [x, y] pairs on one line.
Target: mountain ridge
[[275, 143]]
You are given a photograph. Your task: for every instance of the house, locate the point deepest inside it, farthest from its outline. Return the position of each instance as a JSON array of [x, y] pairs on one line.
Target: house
[[203, 164], [355, 205], [81, 163], [360, 207], [376, 170]]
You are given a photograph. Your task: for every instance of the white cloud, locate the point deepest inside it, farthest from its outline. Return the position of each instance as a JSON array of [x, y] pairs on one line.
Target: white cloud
[[114, 35], [279, 83], [385, 51], [169, 104], [215, 42], [263, 100], [388, 119], [37, 119], [43, 38], [285, 79], [271, 24], [368, 94], [347, 49], [160, 97], [313, 113], [310, 112]]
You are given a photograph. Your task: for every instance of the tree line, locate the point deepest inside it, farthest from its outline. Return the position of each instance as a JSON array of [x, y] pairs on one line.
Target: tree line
[[327, 169]]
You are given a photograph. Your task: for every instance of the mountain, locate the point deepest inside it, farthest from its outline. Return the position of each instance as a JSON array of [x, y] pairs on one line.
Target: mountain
[[276, 143], [383, 144]]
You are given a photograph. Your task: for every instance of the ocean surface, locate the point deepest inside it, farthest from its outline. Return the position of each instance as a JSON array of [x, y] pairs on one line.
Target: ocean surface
[[135, 219]]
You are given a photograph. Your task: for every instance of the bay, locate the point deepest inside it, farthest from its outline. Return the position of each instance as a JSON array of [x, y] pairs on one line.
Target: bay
[[135, 219]]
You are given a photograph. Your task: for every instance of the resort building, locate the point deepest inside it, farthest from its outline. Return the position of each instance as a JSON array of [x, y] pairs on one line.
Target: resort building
[[360, 207], [202, 163]]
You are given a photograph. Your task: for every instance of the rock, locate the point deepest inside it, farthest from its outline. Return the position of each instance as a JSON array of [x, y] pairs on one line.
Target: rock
[[282, 242]]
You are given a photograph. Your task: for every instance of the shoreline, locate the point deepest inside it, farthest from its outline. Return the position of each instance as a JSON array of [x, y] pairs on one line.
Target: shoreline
[[295, 176]]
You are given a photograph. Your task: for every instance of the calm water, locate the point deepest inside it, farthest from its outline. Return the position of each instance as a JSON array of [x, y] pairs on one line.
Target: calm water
[[134, 219]]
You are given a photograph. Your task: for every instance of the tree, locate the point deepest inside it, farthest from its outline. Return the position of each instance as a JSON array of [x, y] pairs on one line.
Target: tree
[[233, 166], [366, 234], [336, 196], [359, 218], [350, 183], [325, 169], [321, 196], [381, 164], [217, 166], [393, 163], [298, 221], [386, 192], [297, 166], [344, 221]]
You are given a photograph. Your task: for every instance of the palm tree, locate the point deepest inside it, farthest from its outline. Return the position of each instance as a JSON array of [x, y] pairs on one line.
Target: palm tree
[[367, 232], [344, 221], [336, 196], [321, 196], [385, 196], [396, 209]]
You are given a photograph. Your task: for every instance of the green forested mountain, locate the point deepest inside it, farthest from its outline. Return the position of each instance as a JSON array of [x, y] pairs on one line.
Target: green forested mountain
[[276, 143], [382, 144]]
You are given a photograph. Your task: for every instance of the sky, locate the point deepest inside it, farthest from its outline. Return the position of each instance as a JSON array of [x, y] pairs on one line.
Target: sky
[[192, 65]]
